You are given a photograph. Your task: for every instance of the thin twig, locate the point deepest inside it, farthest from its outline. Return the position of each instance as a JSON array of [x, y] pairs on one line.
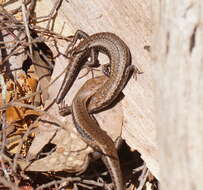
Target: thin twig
[[67, 180], [139, 168], [79, 181], [15, 11], [8, 184], [9, 16], [51, 33], [17, 153], [27, 31], [54, 12], [15, 49], [9, 2], [143, 178], [51, 14], [3, 118]]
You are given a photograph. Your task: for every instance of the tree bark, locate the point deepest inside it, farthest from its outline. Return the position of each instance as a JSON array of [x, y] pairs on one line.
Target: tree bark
[[178, 58]]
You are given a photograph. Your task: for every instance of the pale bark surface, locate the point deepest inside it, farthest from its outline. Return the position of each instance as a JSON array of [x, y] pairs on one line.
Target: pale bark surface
[[178, 56]]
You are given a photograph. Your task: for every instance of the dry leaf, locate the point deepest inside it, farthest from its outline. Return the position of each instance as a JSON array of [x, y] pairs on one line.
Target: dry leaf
[[13, 114]]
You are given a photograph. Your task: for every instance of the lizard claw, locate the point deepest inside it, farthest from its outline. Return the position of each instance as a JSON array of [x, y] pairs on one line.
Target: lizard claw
[[64, 109]]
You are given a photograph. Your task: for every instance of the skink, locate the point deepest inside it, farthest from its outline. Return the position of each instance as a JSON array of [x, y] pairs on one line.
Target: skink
[[94, 96], [120, 66], [92, 134]]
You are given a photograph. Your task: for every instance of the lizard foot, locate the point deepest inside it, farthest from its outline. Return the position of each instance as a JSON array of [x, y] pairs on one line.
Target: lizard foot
[[64, 109]]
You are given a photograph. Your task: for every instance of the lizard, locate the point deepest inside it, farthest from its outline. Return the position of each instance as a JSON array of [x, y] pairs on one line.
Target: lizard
[[103, 95], [120, 67], [89, 130]]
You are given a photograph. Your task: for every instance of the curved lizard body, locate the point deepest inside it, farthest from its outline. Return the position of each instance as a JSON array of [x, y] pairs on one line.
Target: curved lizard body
[[97, 94], [120, 66], [92, 134]]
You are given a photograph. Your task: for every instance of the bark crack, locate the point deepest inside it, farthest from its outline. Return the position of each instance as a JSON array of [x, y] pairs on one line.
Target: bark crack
[[193, 39]]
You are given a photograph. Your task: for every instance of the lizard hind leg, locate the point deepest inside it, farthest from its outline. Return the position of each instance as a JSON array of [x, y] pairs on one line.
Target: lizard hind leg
[[106, 69], [79, 34]]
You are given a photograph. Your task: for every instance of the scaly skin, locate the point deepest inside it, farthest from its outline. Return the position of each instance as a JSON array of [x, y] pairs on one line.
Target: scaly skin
[[92, 134], [97, 94], [120, 66]]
